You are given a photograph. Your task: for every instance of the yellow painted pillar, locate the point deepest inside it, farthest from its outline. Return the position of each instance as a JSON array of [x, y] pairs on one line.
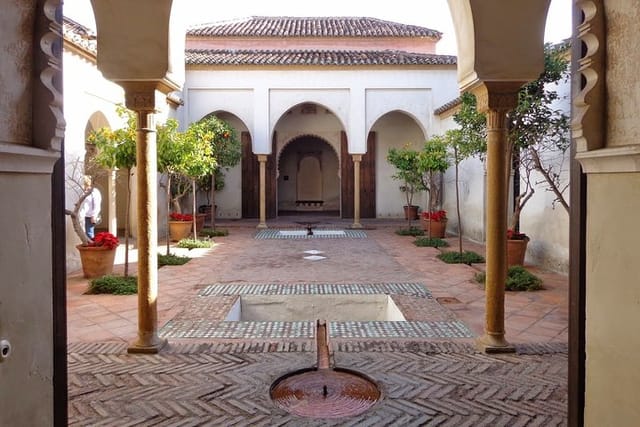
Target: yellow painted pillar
[[496, 100], [262, 160], [141, 99], [357, 159]]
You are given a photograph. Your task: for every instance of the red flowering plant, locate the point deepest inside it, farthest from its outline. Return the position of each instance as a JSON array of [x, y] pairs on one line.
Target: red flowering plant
[[174, 216], [516, 235], [440, 215], [104, 240]]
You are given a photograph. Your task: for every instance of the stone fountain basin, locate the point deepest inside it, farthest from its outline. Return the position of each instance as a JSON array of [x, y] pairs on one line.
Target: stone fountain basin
[[338, 308]]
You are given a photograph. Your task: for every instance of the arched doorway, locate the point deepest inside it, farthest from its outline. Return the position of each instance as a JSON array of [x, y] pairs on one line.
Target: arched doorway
[[308, 177]]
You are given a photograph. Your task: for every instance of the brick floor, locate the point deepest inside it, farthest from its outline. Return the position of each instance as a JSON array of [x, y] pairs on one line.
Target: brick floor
[[427, 378]]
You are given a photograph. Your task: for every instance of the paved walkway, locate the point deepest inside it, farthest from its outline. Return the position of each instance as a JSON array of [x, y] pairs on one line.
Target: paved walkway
[[217, 372]]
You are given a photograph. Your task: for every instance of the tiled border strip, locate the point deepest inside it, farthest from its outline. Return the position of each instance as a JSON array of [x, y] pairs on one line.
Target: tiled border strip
[[189, 329], [281, 346], [409, 289], [275, 234]]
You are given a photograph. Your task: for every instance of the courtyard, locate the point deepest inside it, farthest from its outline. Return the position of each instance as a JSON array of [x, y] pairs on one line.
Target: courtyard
[[218, 367]]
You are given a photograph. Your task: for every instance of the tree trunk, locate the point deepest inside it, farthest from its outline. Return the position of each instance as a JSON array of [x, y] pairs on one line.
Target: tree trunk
[[193, 198], [168, 210], [213, 201], [552, 184], [458, 202]]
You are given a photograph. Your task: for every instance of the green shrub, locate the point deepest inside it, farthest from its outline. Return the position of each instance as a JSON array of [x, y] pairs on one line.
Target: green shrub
[[210, 232], [172, 259], [193, 244], [411, 231], [518, 279], [466, 257], [116, 285], [432, 242]]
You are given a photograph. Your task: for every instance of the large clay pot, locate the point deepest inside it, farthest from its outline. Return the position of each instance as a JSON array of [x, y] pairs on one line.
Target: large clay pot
[[516, 250], [179, 230], [97, 261], [438, 228], [200, 221], [410, 212]]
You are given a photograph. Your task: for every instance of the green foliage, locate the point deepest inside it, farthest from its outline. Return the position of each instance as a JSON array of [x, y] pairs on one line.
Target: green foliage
[[472, 137], [407, 162], [466, 257], [197, 155], [433, 159], [518, 279], [434, 156], [171, 147], [432, 242], [172, 259], [116, 285], [116, 149], [225, 146], [410, 231], [210, 232], [194, 244]]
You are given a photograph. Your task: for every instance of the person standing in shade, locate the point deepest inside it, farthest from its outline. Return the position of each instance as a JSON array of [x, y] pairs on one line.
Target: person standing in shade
[[91, 207]]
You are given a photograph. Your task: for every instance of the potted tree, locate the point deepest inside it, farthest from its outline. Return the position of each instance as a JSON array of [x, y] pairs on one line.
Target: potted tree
[[407, 162], [116, 149], [433, 160], [226, 151], [97, 255]]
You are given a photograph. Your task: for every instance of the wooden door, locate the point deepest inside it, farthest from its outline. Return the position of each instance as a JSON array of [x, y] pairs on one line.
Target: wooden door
[[272, 181], [346, 178], [250, 179], [367, 179]]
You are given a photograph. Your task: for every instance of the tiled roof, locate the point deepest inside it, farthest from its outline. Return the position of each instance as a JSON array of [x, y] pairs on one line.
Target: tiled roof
[[79, 35], [313, 57], [449, 105], [285, 26]]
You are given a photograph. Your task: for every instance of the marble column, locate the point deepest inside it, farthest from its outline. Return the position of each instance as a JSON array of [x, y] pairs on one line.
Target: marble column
[[262, 160], [496, 100], [357, 159], [141, 99]]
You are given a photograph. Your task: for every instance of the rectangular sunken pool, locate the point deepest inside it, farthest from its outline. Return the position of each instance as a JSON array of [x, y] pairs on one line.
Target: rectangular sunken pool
[[338, 308]]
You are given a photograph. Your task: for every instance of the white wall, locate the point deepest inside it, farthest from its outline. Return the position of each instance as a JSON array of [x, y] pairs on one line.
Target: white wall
[[356, 101]]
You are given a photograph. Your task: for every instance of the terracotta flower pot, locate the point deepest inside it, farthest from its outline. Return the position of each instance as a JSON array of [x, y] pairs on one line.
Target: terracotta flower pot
[[97, 261], [438, 228], [410, 212], [200, 221], [516, 250], [179, 230]]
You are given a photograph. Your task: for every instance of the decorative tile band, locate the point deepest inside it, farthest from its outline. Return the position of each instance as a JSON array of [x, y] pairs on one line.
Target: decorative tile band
[[317, 234], [178, 329], [410, 289]]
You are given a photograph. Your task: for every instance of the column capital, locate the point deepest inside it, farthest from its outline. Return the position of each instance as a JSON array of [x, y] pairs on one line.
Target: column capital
[[139, 96], [263, 157], [356, 157], [497, 96]]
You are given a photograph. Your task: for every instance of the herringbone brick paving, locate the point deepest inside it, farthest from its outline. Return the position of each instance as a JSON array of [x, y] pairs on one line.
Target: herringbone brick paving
[[226, 381], [216, 385]]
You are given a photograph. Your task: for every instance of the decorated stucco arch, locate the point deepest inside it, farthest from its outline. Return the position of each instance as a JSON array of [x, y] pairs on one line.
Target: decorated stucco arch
[[303, 135], [334, 102]]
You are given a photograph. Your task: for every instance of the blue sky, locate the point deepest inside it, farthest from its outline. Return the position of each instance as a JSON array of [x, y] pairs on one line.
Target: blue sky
[[432, 14]]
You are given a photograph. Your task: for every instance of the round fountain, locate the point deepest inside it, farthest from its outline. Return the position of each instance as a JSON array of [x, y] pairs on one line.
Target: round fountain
[[324, 391]]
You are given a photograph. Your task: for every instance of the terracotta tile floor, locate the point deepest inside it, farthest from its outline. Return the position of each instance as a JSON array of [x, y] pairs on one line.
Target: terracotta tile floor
[[383, 257]]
